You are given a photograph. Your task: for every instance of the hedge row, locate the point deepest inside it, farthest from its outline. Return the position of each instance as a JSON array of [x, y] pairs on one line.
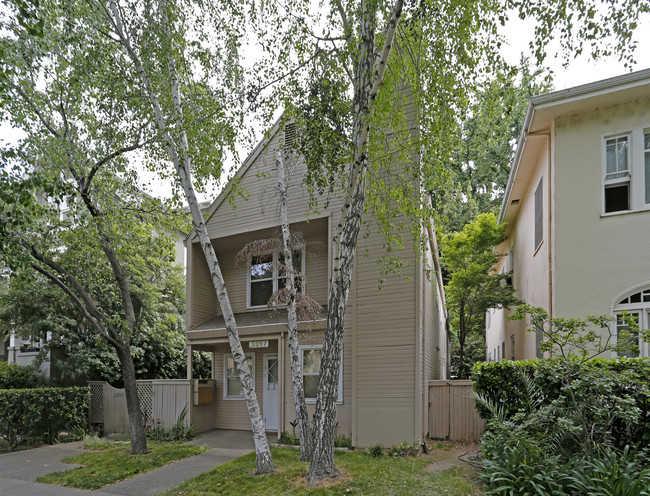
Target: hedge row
[[623, 382], [40, 415], [14, 376]]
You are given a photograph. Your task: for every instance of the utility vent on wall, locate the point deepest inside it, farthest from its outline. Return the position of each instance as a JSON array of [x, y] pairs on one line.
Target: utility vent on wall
[[289, 137]]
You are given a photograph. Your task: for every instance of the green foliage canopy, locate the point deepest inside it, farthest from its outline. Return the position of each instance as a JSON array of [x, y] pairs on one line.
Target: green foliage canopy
[[473, 287]]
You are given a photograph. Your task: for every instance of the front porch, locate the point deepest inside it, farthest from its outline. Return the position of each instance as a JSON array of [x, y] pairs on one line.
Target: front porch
[[264, 340]]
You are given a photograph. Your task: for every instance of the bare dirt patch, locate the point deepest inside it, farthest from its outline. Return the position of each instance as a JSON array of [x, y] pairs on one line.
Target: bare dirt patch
[[444, 456]]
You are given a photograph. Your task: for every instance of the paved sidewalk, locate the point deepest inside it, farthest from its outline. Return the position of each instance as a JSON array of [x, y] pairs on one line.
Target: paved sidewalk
[[19, 471]]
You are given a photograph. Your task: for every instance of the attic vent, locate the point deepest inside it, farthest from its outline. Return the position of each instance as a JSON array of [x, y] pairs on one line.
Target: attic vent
[[514, 202], [289, 137]]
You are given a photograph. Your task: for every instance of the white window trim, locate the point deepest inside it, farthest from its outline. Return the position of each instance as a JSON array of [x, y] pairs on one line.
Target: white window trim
[[226, 396], [635, 171], [274, 277], [301, 348], [641, 308]]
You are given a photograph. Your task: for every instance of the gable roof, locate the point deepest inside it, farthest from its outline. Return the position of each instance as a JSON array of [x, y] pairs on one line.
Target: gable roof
[[225, 191], [544, 109]]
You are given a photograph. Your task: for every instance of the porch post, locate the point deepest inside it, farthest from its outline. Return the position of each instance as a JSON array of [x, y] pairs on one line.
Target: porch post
[[189, 361]]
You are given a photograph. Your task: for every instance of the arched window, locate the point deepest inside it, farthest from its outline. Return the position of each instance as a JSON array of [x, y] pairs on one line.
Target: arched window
[[636, 302]]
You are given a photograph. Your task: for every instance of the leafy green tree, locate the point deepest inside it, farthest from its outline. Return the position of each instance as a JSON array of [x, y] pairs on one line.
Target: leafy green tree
[[469, 257], [32, 307], [70, 206], [476, 178]]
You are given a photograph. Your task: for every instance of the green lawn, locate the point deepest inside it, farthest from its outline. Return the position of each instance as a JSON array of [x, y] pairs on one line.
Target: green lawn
[[113, 463], [362, 475]]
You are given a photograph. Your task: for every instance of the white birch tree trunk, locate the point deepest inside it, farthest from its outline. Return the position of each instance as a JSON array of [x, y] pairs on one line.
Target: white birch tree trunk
[[178, 151], [302, 415], [368, 79]]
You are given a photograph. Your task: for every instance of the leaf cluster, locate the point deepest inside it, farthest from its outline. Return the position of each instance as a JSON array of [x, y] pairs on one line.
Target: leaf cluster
[[582, 338]]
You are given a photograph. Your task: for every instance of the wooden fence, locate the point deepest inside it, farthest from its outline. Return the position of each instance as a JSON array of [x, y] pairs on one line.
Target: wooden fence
[[452, 414], [161, 402]]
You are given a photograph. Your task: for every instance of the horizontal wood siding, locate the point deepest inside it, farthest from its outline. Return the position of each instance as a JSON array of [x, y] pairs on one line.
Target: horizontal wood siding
[[204, 302], [236, 276], [385, 345], [233, 414], [259, 208], [452, 414]]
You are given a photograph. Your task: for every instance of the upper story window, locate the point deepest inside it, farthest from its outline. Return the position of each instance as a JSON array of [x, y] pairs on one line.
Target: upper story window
[[626, 171], [266, 275]]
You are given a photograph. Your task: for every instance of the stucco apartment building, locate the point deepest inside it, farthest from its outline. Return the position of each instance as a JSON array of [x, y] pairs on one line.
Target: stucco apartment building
[[577, 204], [394, 339]]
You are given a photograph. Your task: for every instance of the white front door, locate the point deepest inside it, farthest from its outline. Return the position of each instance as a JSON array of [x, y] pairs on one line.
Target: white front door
[[271, 391]]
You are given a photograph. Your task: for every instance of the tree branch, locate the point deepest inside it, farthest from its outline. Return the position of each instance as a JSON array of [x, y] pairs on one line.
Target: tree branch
[[41, 117], [78, 295]]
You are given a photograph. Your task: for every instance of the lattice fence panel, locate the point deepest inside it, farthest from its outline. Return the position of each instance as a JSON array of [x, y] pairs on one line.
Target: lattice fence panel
[[145, 393], [96, 408]]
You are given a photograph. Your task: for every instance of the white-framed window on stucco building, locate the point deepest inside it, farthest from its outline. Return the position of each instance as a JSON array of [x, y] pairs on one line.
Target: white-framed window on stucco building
[[636, 304], [626, 171]]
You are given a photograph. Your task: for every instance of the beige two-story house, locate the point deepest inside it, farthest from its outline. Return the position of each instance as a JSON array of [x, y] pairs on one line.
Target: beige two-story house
[[577, 204], [394, 341]]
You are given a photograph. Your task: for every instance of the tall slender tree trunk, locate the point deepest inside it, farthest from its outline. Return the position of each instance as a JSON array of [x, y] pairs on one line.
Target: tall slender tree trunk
[[302, 415], [178, 149], [368, 77], [138, 435]]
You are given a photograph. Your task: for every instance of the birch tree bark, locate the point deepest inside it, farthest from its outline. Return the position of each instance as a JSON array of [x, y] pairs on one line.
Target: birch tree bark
[[368, 78], [177, 146], [302, 415]]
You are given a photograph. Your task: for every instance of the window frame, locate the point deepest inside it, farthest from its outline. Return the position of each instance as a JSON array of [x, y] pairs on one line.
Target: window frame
[[275, 277], [635, 175], [640, 308], [301, 349], [226, 395]]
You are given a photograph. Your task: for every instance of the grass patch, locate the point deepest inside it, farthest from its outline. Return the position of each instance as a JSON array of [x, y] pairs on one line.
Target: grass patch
[[362, 474], [113, 463]]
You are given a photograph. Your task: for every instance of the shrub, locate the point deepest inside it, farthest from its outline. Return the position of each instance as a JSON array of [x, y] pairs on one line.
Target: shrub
[[40, 415], [603, 400], [177, 432], [375, 451], [14, 376], [404, 450], [288, 438], [343, 441]]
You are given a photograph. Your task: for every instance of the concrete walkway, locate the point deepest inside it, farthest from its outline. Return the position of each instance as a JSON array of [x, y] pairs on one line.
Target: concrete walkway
[[19, 471]]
